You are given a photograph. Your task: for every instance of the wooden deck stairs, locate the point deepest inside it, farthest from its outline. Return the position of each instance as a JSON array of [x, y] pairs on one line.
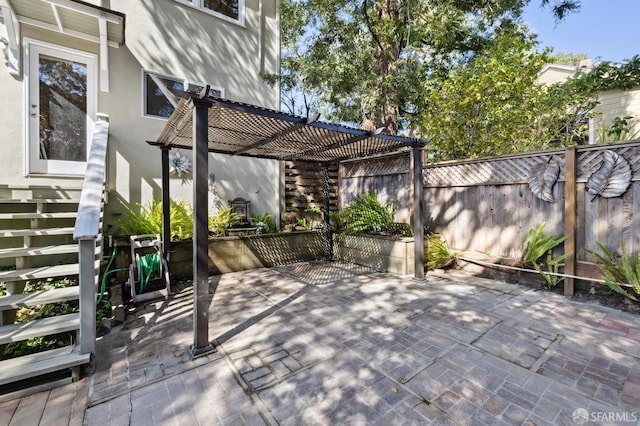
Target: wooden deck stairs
[[36, 243]]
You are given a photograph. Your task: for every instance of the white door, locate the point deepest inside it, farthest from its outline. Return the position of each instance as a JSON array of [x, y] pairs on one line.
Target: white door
[[61, 108]]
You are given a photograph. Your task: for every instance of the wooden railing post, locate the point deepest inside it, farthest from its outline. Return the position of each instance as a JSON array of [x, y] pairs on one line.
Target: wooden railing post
[[570, 225]]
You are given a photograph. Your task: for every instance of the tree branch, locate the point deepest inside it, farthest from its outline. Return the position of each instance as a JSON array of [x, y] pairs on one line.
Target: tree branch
[[365, 11]]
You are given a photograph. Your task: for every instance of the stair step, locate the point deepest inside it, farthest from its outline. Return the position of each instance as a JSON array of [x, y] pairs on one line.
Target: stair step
[[24, 367], [40, 272], [43, 327], [54, 295], [58, 215], [39, 200], [35, 232], [38, 251]]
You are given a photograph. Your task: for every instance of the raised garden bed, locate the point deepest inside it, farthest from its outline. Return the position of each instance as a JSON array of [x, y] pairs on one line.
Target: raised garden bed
[[379, 252]]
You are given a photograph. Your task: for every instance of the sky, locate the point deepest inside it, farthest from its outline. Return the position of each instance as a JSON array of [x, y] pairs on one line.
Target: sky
[[605, 30]]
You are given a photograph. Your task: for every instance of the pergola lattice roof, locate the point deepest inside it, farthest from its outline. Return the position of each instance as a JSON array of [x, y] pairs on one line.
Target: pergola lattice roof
[[240, 129]]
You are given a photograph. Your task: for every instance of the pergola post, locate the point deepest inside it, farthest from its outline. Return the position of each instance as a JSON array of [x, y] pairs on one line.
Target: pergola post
[[201, 344], [327, 239], [418, 195], [166, 211]]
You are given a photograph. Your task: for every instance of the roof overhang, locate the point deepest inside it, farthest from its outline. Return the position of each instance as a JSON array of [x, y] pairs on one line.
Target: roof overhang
[[236, 128], [73, 18]]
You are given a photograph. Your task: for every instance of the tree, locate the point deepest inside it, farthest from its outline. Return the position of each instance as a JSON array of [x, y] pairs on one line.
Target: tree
[[572, 59], [373, 57], [493, 104]]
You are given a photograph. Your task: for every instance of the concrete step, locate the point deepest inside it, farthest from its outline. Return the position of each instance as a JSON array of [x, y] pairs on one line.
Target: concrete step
[[54, 295], [24, 367], [58, 215], [38, 251], [43, 327], [35, 232], [40, 272]]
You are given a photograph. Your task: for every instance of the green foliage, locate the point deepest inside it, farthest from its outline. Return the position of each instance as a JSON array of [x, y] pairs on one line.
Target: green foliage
[[266, 219], [537, 252], [619, 130], [356, 57], [366, 214], [225, 218], [30, 313], [148, 220], [571, 59], [436, 252], [608, 76], [614, 272], [493, 105]]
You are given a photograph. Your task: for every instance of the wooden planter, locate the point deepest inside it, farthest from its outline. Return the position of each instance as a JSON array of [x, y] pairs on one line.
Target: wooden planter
[[388, 254], [239, 253]]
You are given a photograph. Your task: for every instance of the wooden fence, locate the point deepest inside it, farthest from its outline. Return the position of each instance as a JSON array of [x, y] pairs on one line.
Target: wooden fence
[[486, 206]]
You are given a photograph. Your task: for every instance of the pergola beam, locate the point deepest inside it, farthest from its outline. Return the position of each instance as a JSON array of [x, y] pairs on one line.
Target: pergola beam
[[280, 134], [341, 144]]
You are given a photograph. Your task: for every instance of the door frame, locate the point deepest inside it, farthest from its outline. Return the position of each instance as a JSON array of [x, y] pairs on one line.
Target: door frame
[[32, 49]]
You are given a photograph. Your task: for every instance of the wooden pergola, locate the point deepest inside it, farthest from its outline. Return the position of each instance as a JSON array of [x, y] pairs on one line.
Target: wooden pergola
[[207, 124]]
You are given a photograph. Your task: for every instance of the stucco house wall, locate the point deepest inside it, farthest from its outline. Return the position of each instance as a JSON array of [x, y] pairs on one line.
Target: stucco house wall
[[172, 39]]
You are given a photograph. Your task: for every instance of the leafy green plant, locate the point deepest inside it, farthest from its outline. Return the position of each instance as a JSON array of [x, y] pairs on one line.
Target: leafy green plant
[[436, 252], [615, 272], [30, 313], [304, 222], [148, 220], [537, 252], [619, 130], [266, 219], [366, 214], [219, 222]]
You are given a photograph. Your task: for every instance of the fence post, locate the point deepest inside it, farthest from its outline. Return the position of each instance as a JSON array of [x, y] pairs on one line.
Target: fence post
[[570, 225]]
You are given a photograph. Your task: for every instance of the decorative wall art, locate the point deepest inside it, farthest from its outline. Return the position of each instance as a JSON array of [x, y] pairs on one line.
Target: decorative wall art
[[541, 179], [612, 178]]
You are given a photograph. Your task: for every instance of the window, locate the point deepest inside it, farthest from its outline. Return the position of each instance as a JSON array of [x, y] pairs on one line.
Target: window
[[228, 9], [158, 99]]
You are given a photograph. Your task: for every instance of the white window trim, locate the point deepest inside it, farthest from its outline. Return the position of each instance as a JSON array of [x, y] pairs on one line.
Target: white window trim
[[185, 82], [198, 5]]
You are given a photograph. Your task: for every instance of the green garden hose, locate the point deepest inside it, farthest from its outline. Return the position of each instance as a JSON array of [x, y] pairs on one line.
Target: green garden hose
[[107, 272], [149, 267]]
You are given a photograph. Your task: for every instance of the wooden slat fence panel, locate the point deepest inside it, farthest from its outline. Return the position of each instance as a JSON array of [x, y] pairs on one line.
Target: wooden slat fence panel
[[486, 205]]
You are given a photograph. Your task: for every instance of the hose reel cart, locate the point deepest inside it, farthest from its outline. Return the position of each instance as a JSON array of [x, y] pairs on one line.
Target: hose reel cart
[[149, 270]]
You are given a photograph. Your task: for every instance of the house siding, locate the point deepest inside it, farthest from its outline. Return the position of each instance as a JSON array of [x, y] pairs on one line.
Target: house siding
[[168, 38]]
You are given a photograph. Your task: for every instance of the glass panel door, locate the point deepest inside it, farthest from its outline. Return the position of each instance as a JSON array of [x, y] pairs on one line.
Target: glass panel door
[[62, 98]]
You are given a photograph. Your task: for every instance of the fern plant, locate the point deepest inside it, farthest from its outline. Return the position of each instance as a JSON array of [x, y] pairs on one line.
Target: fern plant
[[148, 220], [537, 252], [266, 219], [615, 273], [436, 254], [366, 214], [225, 218]]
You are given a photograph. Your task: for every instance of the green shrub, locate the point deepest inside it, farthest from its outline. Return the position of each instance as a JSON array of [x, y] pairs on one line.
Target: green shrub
[[627, 270], [219, 222], [436, 252], [366, 214], [148, 220], [537, 252], [267, 220]]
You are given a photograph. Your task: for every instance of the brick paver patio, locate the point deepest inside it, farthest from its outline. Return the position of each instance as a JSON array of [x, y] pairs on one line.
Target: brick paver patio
[[318, 343]]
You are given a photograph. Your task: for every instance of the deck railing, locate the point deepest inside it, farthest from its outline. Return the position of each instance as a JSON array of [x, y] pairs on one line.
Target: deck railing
[[88, 231]]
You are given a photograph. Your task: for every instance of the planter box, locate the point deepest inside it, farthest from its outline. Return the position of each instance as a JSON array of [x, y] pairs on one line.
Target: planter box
[[231, 254], [379, 252]]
